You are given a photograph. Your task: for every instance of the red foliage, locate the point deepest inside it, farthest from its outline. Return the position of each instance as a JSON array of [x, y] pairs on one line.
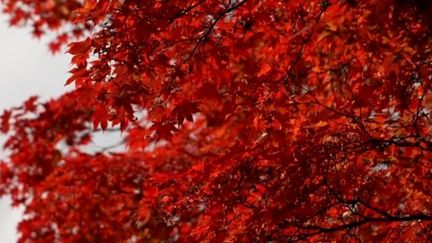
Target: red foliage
[[243, 120]]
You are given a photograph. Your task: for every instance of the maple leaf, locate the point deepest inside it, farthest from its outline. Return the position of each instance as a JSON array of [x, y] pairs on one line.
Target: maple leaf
[[243, 121]]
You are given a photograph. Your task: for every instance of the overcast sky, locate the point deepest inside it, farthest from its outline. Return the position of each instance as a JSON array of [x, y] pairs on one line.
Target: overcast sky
[[26, 68]]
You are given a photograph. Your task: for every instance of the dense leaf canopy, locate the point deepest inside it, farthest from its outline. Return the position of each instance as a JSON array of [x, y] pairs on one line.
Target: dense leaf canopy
[[243, 121]]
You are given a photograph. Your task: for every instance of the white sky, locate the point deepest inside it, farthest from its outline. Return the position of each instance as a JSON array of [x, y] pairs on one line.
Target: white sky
[[26, 68]]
